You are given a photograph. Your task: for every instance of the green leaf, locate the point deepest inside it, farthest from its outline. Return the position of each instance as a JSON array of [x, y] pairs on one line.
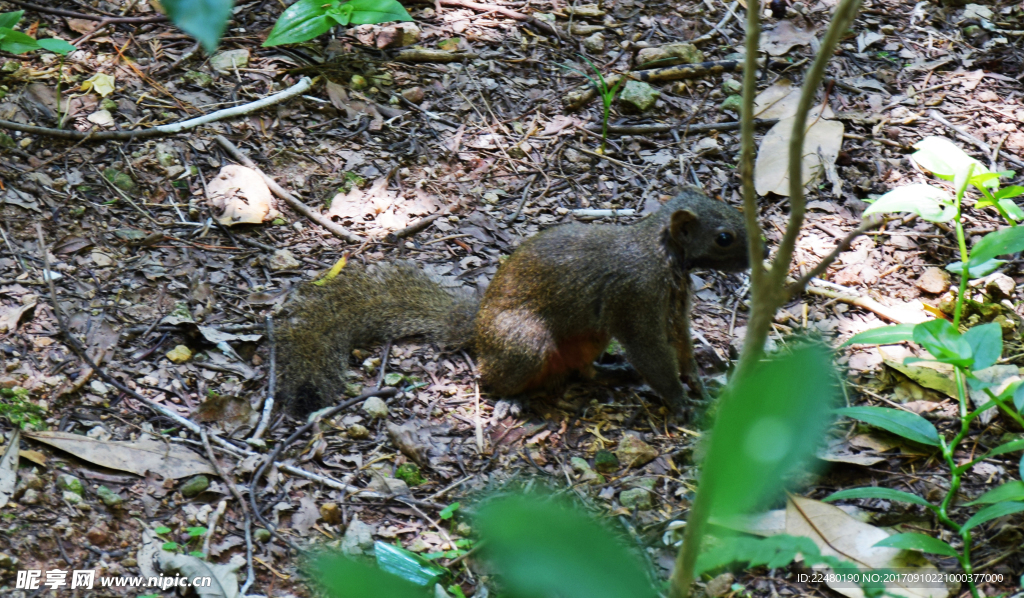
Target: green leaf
[[447, 512], [930, 203], [1003, 241], [992, 512], [543, 548], [986, 343], [56, 45], [10, 19], [942, 158], [162, 530], [983, 269], [16, 42], [883, 335], [300, 22], [919, 542], [773, 552], [1009, 491], [204, 20], [771, 425], [343, 578], [407, 565], [195, 532], [370, 12], [1009, 191], [169, 546], [1009, 447], [199, 554], [944, 342], [1012, 209], [882, 493], [903, 423]]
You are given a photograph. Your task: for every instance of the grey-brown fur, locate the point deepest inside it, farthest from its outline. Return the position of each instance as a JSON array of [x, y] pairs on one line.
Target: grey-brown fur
[[556, 301]]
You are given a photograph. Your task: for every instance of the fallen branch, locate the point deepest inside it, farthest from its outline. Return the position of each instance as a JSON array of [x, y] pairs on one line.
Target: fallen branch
[[888, 313], [417, 55], [335, 228], [580, 96], [162, 130], [417, 226], [684, 129]]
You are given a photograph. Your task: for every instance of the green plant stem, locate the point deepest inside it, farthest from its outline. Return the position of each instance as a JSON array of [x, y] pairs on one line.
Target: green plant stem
[[965, 273], [956, 476]]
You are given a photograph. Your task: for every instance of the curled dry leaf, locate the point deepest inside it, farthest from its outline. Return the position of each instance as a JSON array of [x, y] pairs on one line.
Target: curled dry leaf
[[223, 578], [838, 534], [241, 196], [10, 316], [146, 454]]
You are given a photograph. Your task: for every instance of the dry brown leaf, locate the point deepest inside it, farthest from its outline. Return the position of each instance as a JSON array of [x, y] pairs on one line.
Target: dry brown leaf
[[771, 171], [778, 40], [241, 196], [10, 316], [780, 100], [147, 454], [840, 535]]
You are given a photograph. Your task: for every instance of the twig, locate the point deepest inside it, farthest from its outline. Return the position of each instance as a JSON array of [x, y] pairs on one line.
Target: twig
[[86, 16], [934, 115], [250, 572], [866, 303], [417, 226], [272, 457], [596, 213], [211, 524], [522, 200], [336, 229], [268, 403], [729, 13], [162, 130], [684, 129], [798, 286]]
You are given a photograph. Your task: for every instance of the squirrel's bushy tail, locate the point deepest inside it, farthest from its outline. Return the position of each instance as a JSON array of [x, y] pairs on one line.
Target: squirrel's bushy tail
[[322, 325]]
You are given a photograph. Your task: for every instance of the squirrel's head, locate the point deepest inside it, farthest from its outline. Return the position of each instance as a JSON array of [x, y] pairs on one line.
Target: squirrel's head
[[706, 233]]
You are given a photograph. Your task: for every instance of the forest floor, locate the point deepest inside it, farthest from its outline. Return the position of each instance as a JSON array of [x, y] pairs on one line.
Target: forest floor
[[170, 304]]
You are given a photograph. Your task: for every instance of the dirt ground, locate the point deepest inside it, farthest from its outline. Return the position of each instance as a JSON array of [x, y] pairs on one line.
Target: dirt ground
[[170, 304]]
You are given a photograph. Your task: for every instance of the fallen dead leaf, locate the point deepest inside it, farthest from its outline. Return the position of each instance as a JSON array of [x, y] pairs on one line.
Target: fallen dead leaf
[[9, 317], [778, 40], [821, 147], [9, 469], [838, 534], [146, 454]]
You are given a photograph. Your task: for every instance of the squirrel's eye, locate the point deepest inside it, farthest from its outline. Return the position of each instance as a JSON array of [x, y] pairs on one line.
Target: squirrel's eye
[[724, 239]]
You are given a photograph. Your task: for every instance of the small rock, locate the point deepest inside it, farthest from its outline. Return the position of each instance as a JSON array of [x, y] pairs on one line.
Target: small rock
[[179, 354], [887, 29], [669, 55], [987, 96], [195, 486], [358, 538], [731, 87], [934, 281], [358, 432], [634, 452], [605, 461], [418, 545], [972, 31], [29, 497], [403, 34], [707, 146], [97, 536], [720, 586], [410, 474], [197, 78], [283, 260], [165, 154], [414, 94], [7, 561], [227, 61], [358, 82], [261, 535], [595, 43], [71, 498], [1000, 286], [580, 466], [331, 513], [733, 103], [70, 483], [98, 387], [376, 408], [108, 496], [353, 390], [638, 95], [638, 498]]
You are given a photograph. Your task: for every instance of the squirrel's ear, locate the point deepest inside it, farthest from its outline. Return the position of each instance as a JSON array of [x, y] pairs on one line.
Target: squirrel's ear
[[681, 223]]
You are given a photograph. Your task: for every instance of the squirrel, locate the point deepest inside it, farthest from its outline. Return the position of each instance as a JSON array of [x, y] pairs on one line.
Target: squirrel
[[552, 309]]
